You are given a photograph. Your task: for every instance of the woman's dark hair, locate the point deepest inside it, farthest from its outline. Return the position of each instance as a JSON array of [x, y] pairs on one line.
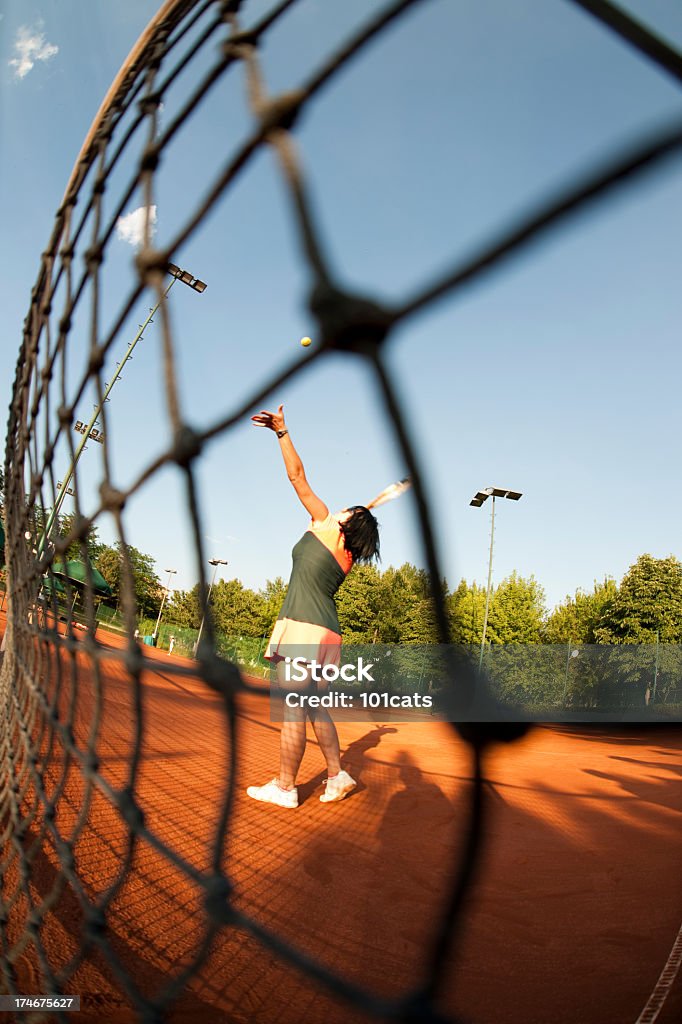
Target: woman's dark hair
[[361, 534]]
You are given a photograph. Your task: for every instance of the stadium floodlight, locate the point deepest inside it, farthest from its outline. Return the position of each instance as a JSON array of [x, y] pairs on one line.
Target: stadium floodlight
[[163, 601], [186, 277], [493, 492], [87, 429], [477, 500], [215, 562]]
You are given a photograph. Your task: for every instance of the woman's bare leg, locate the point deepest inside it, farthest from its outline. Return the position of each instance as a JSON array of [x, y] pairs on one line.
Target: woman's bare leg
[[328, 738], [291, 747], [292, 737]]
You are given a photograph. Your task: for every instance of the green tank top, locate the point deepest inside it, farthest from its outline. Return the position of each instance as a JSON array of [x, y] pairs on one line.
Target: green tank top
[[315, 578]]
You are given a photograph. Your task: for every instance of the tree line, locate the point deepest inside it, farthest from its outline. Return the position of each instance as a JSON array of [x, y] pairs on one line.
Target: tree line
[[395, 605]]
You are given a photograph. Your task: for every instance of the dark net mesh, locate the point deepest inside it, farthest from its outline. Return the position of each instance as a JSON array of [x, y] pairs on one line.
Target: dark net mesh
[[171, 919]]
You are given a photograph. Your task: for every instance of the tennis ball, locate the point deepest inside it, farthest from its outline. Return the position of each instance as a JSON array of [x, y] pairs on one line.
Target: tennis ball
[[306, 341]]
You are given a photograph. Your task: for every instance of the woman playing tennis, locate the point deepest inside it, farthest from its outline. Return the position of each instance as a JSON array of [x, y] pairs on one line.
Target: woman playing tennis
[[308, 623]]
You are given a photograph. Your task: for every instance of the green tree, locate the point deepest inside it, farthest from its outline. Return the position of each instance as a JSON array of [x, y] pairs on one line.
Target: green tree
[[406, 613], [647, 602], [466, 609], [90, 546], [420, 623], [272, 598], [517, 610], [236, 610], [146, 584], [359, 606], [184, 609], [108, 562], [578, 618]]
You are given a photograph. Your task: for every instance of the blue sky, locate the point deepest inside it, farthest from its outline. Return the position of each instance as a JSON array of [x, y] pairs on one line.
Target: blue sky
[[556, 375]]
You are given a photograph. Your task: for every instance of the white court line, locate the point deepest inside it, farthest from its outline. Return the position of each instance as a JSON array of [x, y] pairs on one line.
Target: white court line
[[664, 984]]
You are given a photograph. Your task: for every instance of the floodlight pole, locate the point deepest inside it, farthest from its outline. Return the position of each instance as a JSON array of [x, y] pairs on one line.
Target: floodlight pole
[[570, 653], [653, 693], [215, 562], [487, 589], [176, 275], [163, 600], [477, 501]]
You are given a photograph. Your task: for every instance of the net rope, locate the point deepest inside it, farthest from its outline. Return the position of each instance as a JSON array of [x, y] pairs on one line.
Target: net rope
[[51, 736]]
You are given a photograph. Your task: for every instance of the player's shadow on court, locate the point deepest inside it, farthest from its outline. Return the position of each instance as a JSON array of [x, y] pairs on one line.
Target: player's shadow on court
[[633, 734], [401, 862], [653, 789], [669, 766], [416, 831], [353, 759]]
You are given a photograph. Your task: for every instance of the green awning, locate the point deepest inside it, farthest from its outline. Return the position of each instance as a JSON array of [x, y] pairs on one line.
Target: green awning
[[77, 572], [50, 584]]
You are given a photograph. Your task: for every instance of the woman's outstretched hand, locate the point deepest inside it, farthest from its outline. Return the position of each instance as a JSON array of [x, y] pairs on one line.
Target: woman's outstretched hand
[[271, 420]]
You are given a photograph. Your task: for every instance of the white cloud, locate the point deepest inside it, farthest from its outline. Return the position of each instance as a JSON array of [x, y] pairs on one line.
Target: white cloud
[[130, 228], [30, 46]]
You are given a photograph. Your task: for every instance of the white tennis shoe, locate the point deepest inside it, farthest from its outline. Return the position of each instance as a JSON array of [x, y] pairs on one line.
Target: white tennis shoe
[[271, 793], [338, 787]]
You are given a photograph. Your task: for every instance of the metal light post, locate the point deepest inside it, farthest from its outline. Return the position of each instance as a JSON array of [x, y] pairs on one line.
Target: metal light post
[[215, 562], [570, 653], [163, 601], [477, 501], [88, 430], [653, 694]]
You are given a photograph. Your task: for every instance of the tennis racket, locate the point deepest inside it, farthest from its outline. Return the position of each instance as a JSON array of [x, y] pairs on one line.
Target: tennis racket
[[390, 492]]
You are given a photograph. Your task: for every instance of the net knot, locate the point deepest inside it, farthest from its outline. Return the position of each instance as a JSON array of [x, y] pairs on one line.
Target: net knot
[[350, 323], [112, 499], [131, 812], [150, 158], [246, 38], [60, 546], [217, 899], [134, 660], [482, 734], [96, 361], [151, 264], [186, 447], [281, 111], [221, 675], [66, 857], [65, 415], [150, 104], [67, 251], [418, 1010], [93, 257], [67, 206], [95, 923], [229, 7]]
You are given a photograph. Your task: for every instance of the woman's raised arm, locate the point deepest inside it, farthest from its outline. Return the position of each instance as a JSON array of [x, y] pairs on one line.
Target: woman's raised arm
[[275, 421]]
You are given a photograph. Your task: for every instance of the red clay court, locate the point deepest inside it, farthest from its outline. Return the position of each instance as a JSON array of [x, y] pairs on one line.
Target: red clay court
[[571, 919]]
